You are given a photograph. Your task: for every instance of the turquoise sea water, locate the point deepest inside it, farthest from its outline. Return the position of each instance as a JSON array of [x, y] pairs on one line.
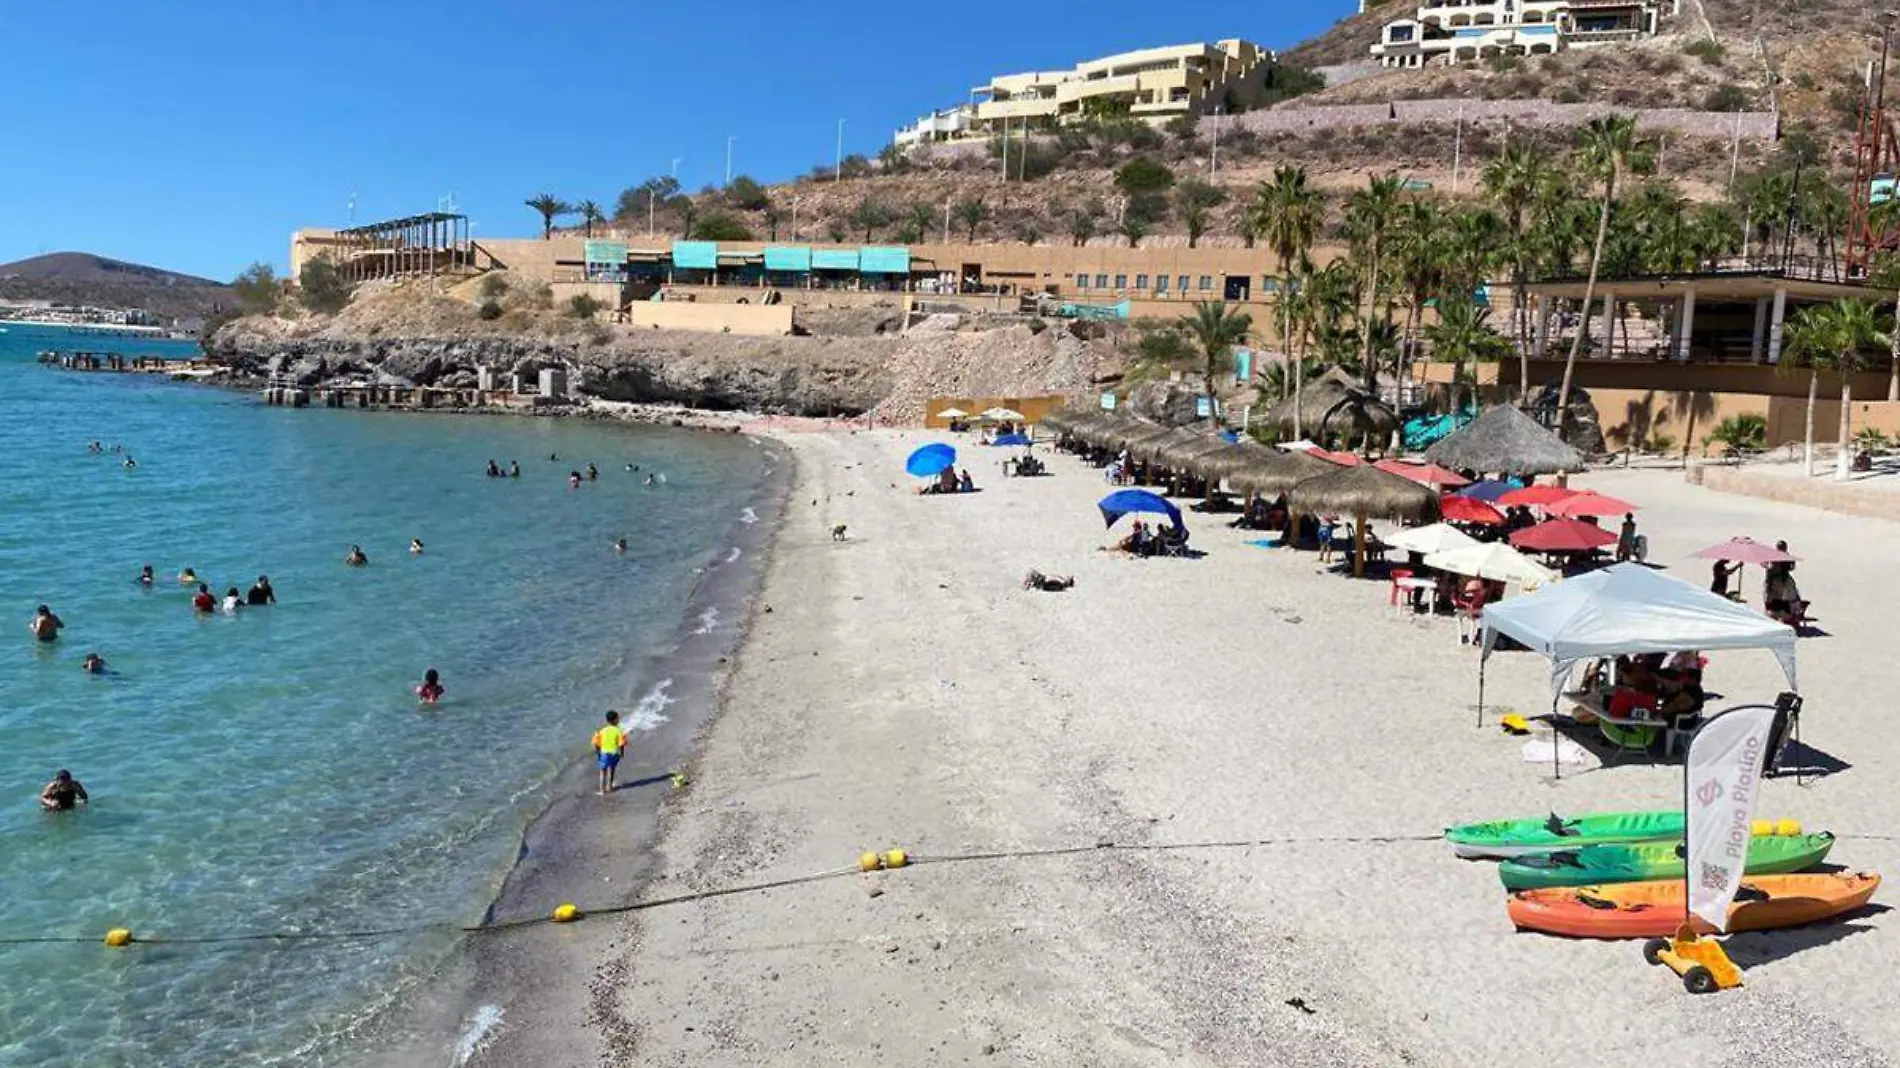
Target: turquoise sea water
[[271, 771]]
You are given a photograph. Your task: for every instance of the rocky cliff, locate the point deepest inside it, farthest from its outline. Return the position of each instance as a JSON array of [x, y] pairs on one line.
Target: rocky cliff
[[418, 338]]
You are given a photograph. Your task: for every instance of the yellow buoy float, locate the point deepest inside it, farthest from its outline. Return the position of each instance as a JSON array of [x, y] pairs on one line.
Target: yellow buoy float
[[567, 913], [118, 938]]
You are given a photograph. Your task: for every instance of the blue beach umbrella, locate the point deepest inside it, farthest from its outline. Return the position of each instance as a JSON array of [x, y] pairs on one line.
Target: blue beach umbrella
[[1011, 439], [1490, 489], [1125, 502], [931, 460]]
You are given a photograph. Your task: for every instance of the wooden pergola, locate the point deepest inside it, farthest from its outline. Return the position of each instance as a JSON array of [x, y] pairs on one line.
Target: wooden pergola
[[434, 243]]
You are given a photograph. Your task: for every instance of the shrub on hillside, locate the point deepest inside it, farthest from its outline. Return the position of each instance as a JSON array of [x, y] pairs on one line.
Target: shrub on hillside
[[746, 194], [492, 286], [322, 288], [1710, 52], [1729, 97], [582, 306], [1142, 175], [257, 288], [720, 226], [489, 311]]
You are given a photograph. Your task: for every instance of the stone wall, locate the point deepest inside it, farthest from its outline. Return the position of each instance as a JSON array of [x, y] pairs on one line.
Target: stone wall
[[1753, 126], [1823, 492]]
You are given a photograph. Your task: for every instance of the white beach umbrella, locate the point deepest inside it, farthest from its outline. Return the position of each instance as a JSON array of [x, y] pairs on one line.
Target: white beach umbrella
[[1495, 561], [1437, 538], [1301, 445], [953, 413], [1000, 415]]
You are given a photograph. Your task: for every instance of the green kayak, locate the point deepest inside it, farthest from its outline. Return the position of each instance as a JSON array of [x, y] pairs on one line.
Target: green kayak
[[1512, 838], [1591, 865]]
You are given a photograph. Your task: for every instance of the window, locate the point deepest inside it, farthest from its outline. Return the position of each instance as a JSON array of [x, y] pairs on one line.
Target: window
[[1207, 281], [1141, 281], [1161, 283], [1101, 281], [1399, 34], [1184, 284], [1081, 281], [1121, 281]]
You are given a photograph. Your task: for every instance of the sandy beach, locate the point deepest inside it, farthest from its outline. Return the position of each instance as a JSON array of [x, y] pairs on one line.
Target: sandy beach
[[899, 689]]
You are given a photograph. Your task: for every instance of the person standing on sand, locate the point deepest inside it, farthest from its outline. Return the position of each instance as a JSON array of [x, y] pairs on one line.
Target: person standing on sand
[[45, 625], [1626, 538], [610, 744]]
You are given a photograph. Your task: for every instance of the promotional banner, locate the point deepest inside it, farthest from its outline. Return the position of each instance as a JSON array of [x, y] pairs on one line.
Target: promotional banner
[[1243, 366], [1723, 772]]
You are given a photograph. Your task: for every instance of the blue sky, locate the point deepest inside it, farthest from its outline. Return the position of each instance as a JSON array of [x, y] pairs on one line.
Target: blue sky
[[196, 136]]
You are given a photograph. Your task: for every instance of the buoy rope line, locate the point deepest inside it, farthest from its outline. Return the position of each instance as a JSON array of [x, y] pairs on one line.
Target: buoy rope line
[[888, 860]]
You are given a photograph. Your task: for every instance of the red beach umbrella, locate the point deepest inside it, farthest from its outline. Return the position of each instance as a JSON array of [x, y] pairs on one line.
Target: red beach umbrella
[[1541, 496], [1429, 474], [1343, 459], [1562, 536], [1747, 551], [1456, 509], [1589, 503]]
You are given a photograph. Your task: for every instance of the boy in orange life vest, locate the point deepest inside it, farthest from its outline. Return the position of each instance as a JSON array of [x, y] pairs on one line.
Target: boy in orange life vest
[[610, 742]]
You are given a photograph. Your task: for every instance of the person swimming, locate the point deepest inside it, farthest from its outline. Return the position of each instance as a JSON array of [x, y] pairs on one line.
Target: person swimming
[[45, 625], [94, 664], [355, 557], [633, 467], [233, 600], [554, 457], [494, 469], [573, 480], [187, 577], [431, 689], [514, 469], [415, 546], [261, 592], [592, 471], [620, 545], [63, 793], [146, 578], [649, 480], [202, 601], [129, 463]]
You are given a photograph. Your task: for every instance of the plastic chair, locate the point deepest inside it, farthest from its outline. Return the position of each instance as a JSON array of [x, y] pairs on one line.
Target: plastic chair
[[1396, 601], [1469, 611]]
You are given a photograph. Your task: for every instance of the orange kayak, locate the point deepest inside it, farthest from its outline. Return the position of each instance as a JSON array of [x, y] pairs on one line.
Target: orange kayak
[[1656, 909]]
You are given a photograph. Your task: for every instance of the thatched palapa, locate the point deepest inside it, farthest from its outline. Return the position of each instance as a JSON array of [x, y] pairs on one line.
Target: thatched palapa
[[1217, 464], [1506, 441], [1181, 454], [1333, 406], [1364, 492], [1277, 472]]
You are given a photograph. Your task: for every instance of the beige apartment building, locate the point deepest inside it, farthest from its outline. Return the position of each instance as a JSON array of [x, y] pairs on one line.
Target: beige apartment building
[[1152, 83]]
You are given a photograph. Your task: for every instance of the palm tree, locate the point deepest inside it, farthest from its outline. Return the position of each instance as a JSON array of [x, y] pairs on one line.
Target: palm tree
[[1288, 214], [1370, 215], [1512, 181], [1463, 335], [1217, 329], [1805, 343], [551, 207], [590, 214], [1418, 252], [1885, 218], [1610, 150], [1841, 330]]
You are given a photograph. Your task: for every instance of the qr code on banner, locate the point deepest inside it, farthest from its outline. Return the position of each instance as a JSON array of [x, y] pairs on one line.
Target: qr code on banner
[[1714, 877]]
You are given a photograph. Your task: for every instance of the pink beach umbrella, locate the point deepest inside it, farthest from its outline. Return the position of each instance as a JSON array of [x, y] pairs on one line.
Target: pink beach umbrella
[[1542, 496], [1589, 503], [1746, 551], [1428, 473]]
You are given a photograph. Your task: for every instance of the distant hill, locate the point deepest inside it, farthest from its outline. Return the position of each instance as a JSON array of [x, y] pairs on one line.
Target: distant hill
[[83, 278]]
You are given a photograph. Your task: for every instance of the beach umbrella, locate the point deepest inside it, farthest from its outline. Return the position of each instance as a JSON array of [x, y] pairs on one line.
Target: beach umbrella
[[1138, 502], [1334, 405], [1542, 496], [1364, 493], [1494, 561], [1746, 551], [1002, 415], [1341, 458], [1273, 473], [1180, 455], [1507, 441], [1428, 473], [1562, 536], [1489, 489], [1469, 510], [1011, 439], [1436, 538], [1302, 445], [1589, 503], [1224, 462], [953, 413], [932, 460]]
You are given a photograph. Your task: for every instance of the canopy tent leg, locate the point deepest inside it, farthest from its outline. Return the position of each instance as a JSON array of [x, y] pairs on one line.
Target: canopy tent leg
[[1481, 687], [1556, 749]]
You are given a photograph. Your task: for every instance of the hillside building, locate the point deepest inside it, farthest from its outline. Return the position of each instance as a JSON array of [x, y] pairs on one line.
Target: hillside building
[[1461, 31], [1154, 84]]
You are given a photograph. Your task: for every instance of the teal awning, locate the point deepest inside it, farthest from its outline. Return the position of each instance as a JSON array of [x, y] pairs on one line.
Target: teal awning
[[787, 258], [834, 259], [884, 260], [703, 255]]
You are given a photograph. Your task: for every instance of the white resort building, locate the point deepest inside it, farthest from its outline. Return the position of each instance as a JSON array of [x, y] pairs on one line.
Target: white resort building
[[1459, 31], [946, 125]]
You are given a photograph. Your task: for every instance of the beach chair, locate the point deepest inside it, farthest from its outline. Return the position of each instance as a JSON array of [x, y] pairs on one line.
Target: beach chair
[[1469, 611], [1399, 599]]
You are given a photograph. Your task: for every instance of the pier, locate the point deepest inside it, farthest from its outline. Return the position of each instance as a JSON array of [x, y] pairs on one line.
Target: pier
[[282, 391], [118, 362]]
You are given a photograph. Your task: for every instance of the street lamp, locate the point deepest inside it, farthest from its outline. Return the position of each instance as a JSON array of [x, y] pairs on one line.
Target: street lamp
[[729, 140], [838, 174]]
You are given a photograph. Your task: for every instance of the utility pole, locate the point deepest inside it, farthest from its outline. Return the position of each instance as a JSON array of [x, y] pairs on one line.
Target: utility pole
[[946, 222], [649, 211], [794, 218], [838, 175], [352, 207], [729, 140], [1213, 154], [1006, 148], [1734, 152], [1457, 150]]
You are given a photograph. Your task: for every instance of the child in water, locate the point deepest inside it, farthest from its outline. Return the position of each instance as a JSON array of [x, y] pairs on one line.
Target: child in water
[[146, 578], [187, 577], [573, 480], [415, 546], [233, 600], [94, 665], [431, 689]]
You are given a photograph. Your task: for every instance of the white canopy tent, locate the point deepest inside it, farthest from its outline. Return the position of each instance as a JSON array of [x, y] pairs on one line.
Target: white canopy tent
[[1627, 609]]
